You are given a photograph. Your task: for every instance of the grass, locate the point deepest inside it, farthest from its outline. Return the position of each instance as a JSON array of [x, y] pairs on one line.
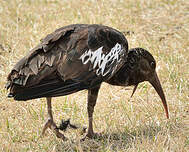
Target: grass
[[137, 124]]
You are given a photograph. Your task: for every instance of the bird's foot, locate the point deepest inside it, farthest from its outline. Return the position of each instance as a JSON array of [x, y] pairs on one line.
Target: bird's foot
[[50, 124], [91, 135]]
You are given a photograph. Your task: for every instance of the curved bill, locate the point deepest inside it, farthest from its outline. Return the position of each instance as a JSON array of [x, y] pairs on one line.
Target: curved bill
[[157, 85]]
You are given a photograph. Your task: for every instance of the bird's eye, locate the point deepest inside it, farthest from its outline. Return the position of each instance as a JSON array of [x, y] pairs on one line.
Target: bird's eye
[[152, 64]]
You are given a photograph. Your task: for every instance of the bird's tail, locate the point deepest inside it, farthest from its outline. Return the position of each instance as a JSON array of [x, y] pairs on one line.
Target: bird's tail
[[51, 88]]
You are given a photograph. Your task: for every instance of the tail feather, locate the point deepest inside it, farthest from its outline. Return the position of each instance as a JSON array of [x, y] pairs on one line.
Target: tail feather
[[50, 89]]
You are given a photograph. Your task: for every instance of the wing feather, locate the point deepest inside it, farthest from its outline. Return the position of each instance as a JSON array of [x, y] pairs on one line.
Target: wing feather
[[84, 54]]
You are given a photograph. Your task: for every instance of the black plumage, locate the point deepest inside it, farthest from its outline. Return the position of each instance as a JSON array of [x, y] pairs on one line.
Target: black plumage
[[78, 57], [55, 62]]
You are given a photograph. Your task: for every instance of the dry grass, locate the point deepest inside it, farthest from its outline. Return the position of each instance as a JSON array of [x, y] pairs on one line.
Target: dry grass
[[137, 124]]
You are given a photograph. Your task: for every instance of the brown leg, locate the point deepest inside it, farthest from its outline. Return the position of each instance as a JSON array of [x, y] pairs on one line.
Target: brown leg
[[92, 97], [50, 123]]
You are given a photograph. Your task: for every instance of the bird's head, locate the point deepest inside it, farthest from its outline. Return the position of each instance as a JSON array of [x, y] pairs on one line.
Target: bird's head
[[142, 66], [139, 67]]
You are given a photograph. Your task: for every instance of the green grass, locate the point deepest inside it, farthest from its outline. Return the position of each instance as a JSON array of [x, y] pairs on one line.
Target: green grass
[[137, 124]]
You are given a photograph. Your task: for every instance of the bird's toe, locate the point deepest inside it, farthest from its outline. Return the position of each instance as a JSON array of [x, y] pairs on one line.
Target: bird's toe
[[92, 136]]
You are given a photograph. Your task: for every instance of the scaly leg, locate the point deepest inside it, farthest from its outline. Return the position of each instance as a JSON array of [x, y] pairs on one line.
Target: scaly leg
[[50, 122], [92, 97]]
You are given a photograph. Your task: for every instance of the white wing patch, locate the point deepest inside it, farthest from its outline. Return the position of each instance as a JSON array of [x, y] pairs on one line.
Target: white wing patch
[[102, 62]]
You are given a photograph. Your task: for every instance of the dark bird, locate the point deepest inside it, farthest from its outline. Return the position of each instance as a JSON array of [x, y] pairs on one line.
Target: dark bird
[[78, 57]]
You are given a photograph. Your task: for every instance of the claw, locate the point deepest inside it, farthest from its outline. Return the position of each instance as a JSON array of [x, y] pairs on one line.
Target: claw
[[47, 125], [92, 136], [50, 124]]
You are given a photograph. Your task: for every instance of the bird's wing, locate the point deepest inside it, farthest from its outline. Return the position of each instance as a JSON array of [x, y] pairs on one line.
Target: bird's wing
[[42, 60], [76, 54]]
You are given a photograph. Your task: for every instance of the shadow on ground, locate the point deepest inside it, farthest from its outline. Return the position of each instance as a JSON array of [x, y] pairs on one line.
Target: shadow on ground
[[114, 141]]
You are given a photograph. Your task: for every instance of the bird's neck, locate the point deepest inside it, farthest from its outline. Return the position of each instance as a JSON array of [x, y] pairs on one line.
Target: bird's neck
[[124, 77], [129, 73]]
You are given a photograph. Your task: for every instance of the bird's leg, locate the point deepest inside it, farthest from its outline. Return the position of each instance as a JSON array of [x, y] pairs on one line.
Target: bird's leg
[[50, 116], [92, 97], [50, 122]]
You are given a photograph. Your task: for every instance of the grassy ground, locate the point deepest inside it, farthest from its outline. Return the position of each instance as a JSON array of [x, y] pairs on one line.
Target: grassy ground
[[137, 124]]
